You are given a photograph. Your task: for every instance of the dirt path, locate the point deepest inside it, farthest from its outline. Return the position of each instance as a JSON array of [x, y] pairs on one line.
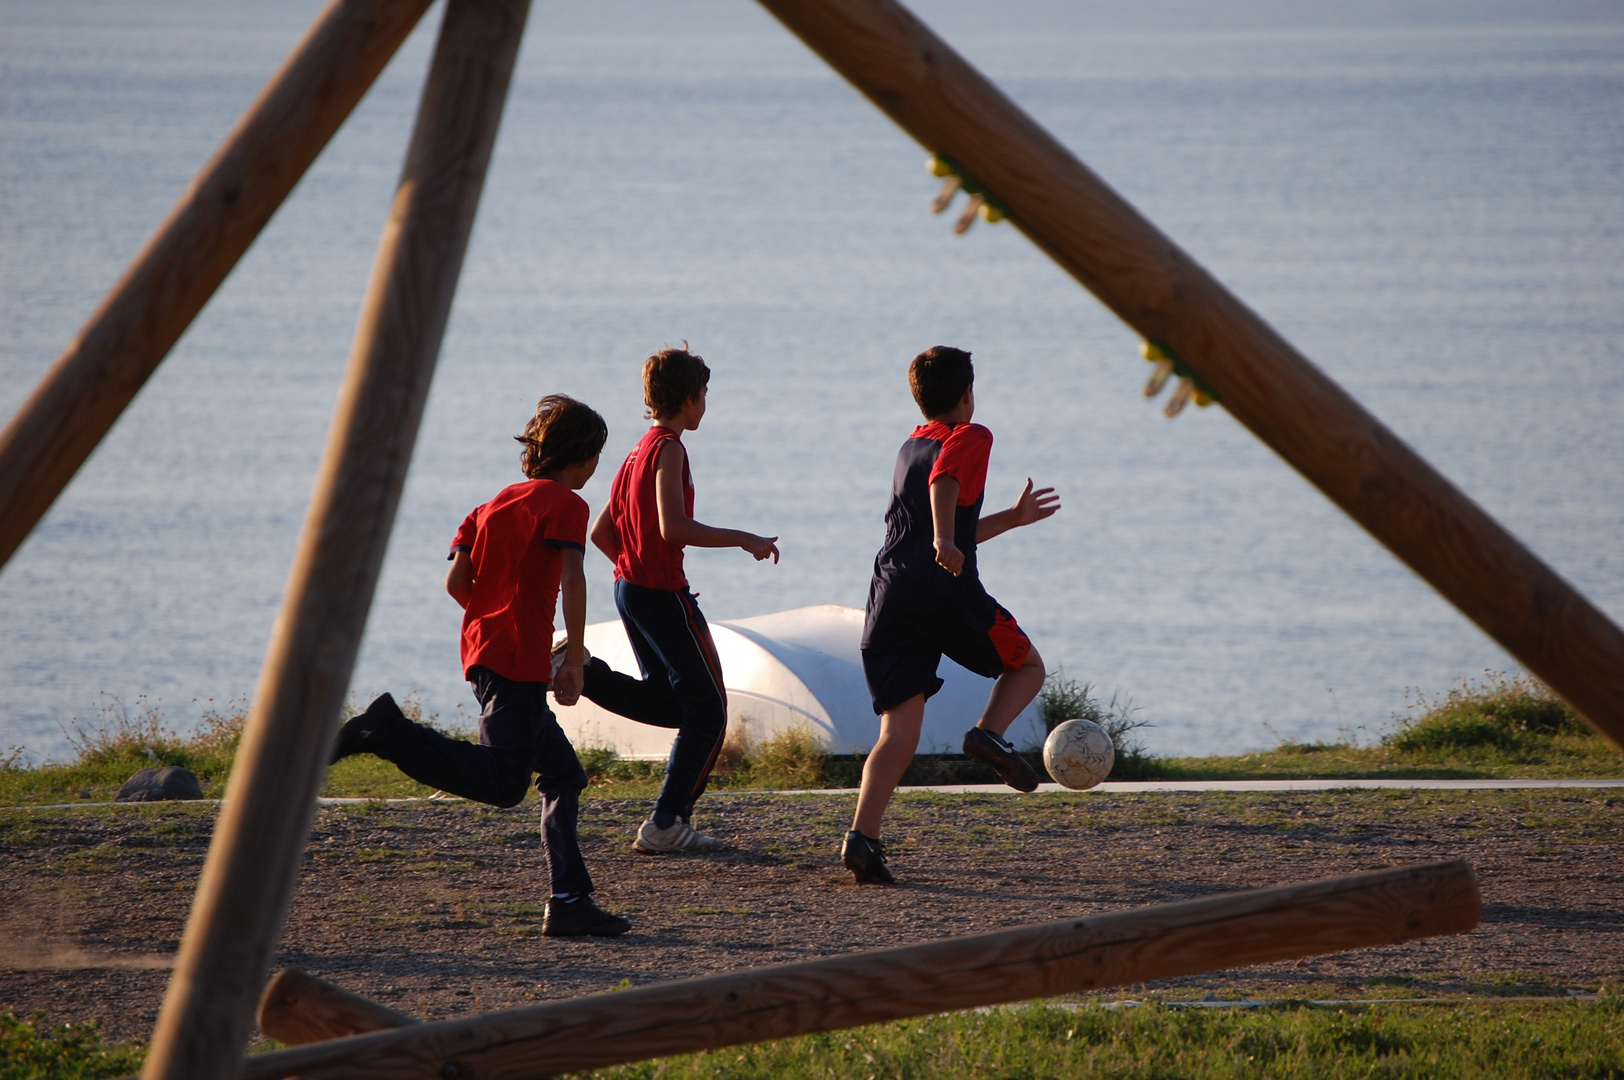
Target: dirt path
[[435, 909]]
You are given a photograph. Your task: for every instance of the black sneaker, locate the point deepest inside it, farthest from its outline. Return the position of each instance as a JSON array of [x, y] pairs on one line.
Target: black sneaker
[[581, 918], [865, 858], [1012, 768], [367, 733]]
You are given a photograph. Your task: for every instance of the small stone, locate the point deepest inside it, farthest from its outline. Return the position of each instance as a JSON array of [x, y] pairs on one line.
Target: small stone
[[155, 785]]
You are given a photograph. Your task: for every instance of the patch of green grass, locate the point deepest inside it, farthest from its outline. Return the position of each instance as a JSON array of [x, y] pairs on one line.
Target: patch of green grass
[[366, 777], [1497, 727], [438, 866], [1288, 1041], [121, 741], [1498, 714], [103, 856], [618, 776], [118, 744], [378, 855], [30, 1050], [790, 759], [22, 834], [1494, 728]]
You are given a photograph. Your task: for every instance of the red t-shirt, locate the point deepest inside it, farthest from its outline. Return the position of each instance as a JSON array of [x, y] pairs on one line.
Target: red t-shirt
[[514, 541], [963, 457], [647, 558]]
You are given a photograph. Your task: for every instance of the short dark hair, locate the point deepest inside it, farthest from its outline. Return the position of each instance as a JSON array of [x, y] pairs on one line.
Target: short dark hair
[[563, 432], [670, 378], [938, 377]]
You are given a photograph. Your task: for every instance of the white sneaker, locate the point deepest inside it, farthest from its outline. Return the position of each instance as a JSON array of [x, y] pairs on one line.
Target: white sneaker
[[558, 655], [680, 839]]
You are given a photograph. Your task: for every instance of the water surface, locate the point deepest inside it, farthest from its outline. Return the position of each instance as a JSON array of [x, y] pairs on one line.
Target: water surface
[[1427, 199]]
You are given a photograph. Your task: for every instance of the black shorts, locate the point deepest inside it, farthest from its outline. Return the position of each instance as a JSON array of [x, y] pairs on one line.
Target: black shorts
[[901, 655]]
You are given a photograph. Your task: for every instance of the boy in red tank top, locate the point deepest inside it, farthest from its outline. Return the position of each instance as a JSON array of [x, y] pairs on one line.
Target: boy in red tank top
[[509, 562], [643, 528]]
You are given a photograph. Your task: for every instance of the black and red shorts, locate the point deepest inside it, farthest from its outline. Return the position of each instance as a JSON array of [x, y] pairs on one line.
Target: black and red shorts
[[900, 656]]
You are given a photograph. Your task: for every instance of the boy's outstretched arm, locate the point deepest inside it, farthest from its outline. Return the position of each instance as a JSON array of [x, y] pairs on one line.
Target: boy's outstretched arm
[[459, 580], [1031, 506], [605, 537], [678, 528], [569, 678]]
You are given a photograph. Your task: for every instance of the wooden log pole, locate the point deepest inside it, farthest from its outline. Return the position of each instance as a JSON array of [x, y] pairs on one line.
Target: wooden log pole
[[297, 1008], [258, 844], [1077, 955], [1095, 235], [185, 261]]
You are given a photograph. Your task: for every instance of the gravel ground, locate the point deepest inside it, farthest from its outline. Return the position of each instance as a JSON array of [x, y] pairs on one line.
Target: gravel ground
[[435, 908]]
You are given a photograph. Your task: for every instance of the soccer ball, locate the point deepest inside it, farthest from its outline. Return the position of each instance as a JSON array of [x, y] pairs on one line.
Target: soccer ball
[[1079, 754]]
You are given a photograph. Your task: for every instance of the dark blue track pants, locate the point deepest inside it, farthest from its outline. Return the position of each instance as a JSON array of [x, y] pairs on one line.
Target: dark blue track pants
[[518, 736], [681, 687]]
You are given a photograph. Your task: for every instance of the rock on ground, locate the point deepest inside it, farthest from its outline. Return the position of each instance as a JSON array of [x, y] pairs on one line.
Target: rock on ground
[[160, 785]]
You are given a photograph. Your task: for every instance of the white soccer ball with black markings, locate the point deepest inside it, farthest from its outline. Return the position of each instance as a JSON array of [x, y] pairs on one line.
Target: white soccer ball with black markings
[[1078, 754]]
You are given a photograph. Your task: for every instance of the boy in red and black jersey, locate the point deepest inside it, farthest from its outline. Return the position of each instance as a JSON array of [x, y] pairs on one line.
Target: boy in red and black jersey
[[509, 562], [926, 600], [643, 528]]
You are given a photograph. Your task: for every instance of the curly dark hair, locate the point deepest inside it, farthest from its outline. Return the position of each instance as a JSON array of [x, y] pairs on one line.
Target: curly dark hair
[[563, 432], [938, 377], [670, 378]]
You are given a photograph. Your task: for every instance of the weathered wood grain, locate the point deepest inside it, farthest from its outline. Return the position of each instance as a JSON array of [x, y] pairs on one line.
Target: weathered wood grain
[[1160, 291], [260, 839], [297, 1008], [751, 1006], [184, 262]]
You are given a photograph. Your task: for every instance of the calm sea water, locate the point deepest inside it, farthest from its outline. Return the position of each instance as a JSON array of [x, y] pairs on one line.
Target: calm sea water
[[1427, 198]]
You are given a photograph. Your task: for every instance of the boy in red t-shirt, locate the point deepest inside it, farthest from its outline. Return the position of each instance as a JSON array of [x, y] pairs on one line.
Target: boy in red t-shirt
[[926, 600], [508, 563], [643, 528]]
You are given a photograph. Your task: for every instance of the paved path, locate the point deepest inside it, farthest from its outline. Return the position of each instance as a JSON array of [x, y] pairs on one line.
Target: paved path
[[1110, 787], [1134, 787]]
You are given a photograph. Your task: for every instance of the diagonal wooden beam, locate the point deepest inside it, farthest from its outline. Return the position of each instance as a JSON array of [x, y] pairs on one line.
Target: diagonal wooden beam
[[1095, 235], [259, 842], [185, 261], [297, 1009], [1078, 955]]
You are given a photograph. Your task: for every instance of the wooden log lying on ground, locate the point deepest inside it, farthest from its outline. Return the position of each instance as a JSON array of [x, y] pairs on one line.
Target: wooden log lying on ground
[[297, 1009], [184, 262], [260, 840], [1077, 955], [1095, 235]]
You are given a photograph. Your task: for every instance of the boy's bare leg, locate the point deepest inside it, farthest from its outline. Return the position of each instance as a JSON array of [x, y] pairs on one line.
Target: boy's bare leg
[[883, 769], [1013, 692]]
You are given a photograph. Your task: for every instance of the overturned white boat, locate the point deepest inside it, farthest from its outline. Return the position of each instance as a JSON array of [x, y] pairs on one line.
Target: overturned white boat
[[793, 669]]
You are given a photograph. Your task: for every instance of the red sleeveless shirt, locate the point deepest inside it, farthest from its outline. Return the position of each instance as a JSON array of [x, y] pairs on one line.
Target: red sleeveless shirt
[[646, 557]]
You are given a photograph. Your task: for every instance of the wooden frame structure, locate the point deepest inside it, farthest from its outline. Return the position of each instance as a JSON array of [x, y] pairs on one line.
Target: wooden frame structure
[[1076, 955], [933, 94]]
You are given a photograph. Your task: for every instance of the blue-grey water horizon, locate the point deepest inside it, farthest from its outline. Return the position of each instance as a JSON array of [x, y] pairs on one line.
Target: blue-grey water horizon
[[1427, 199]]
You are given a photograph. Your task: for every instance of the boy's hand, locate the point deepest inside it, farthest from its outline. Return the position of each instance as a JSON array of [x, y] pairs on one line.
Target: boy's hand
[[761, 546], [567, 683], [948, 555], [1035, 505]]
